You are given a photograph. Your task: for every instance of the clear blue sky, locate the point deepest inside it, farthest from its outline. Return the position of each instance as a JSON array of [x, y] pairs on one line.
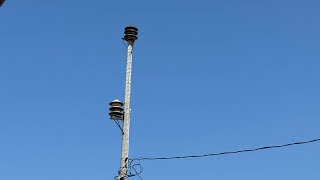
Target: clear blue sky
[[208, 76]]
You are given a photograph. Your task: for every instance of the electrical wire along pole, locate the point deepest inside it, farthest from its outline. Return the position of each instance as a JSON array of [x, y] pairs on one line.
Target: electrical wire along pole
[[117, 113]]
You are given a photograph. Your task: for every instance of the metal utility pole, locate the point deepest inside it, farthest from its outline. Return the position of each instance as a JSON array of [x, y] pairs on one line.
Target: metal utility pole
[[116, 111], [130, 36]]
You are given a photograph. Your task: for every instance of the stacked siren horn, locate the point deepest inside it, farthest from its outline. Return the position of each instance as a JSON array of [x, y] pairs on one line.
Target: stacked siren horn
[[116, 110], [131, 33]]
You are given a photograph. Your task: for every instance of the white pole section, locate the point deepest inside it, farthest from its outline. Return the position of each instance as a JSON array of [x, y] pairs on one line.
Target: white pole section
[[126, 122]]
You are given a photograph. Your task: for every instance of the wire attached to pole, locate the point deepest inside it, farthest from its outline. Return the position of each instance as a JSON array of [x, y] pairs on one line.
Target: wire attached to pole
[[228, 152], [117, 122], [132, 166]]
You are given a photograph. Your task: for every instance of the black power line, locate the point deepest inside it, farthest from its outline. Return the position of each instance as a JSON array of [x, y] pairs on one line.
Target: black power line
[[227, 152]]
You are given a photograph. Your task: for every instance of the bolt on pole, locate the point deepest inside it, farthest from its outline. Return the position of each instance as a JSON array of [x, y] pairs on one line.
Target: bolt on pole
[[131, 33]]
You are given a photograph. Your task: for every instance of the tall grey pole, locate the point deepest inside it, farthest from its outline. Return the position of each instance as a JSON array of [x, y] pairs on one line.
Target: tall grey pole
[[131, 35]]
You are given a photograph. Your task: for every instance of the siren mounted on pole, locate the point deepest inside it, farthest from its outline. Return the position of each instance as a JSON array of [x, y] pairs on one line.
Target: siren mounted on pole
[[131, 33], [120, 111], [116, 110]]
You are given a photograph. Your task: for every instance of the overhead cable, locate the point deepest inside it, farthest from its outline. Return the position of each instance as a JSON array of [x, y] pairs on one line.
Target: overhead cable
[[228, 152]]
